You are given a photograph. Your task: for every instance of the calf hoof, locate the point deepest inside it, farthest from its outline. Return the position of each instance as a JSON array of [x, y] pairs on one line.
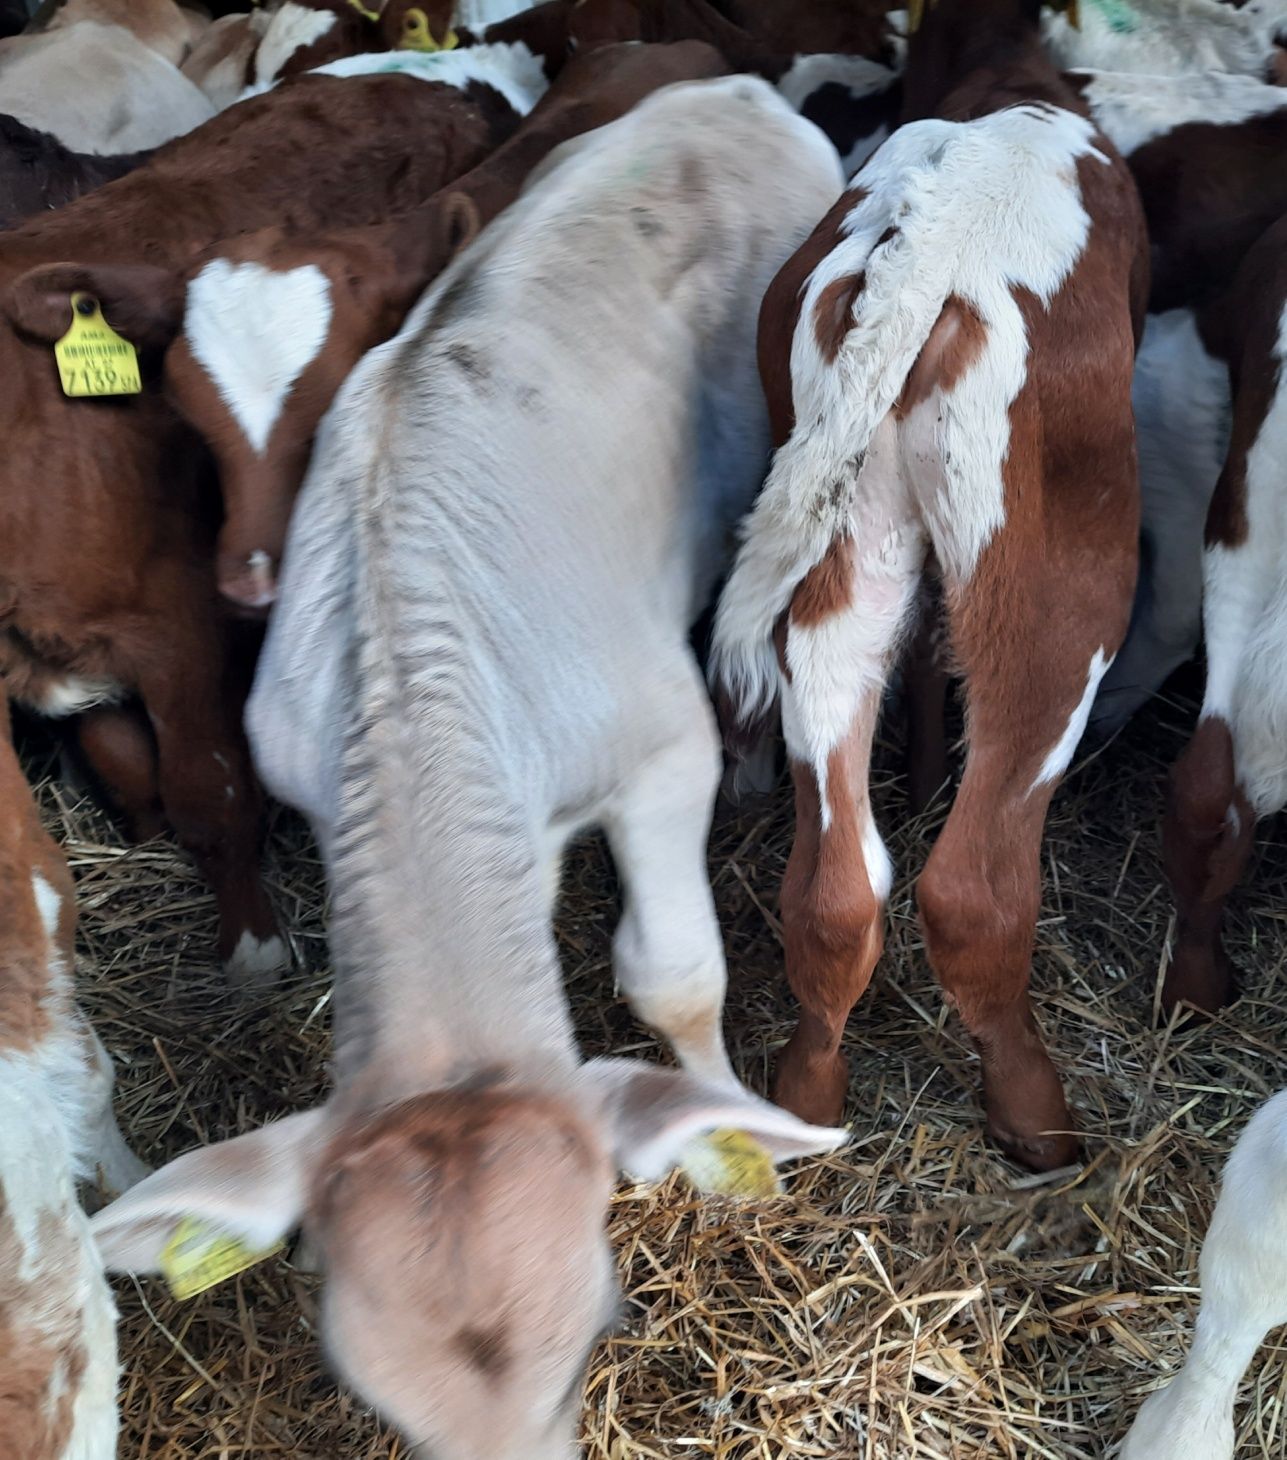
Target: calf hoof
[[812, 1085], [256, 962], [1201, 977], [1037, 1151]]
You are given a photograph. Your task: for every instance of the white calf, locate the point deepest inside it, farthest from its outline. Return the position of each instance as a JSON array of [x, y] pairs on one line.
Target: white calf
[[516, 509], [1244, 1294], [1165, 37]]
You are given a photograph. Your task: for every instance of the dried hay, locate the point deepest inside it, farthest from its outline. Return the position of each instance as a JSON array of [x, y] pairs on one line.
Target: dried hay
[[914, 1296]]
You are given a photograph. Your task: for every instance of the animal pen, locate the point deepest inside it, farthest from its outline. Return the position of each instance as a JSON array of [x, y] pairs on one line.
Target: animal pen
[[912, 1295]]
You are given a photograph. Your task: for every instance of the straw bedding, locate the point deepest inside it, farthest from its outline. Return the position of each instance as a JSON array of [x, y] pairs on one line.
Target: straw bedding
[[914, 1295]]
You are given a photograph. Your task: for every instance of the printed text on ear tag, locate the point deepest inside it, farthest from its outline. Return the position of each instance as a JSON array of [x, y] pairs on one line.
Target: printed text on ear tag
[[731, 1163], [92, 358], [198, 1257]]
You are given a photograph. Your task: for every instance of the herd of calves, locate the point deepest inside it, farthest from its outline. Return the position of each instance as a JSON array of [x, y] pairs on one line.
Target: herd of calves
[[491, 373]]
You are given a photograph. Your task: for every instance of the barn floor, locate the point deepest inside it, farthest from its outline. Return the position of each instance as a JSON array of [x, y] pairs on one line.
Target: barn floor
[[913, 1296]]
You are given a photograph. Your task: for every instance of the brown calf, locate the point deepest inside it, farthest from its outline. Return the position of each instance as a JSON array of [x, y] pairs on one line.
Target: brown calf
[[107, 520], [371, 276], [948, 364]]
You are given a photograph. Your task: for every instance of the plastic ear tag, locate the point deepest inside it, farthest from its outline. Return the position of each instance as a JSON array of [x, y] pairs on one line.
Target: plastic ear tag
[[198, 1257], [915, 14], [92, 358], [416, 35], [731, 1163]]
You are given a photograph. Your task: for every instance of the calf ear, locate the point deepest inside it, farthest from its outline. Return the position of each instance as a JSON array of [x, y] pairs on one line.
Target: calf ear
[[653, 1113], [141, 302], [460, 222], [253, 1187]]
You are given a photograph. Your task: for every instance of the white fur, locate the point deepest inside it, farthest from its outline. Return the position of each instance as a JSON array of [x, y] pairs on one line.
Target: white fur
[[1167, 37], [1245, 614], [1244, 1294], [73, 693], [1182, 406], [289, 29], [1061, 753], [860, 77], [255, 959], [97, 88], [1131, 110], [255, 331], [980, 208], [508, 67]]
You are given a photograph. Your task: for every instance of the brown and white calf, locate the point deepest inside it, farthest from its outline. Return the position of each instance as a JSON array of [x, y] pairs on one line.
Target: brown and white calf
[[518, 507], [948, 367], [1234, 769], [1209, 155], [220, 62], [100, 86], [58, 1365], [107, 588], [38, 173], [257, 397]]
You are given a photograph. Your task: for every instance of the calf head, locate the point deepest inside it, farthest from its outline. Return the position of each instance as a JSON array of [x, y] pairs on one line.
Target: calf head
[[462, 1235], [273, 325]]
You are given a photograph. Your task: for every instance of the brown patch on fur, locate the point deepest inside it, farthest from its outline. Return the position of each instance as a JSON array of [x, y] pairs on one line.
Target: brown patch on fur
[[833, 313], [43, 1358], [951, 348], [780, 312], [826, 589], [484, 1350]]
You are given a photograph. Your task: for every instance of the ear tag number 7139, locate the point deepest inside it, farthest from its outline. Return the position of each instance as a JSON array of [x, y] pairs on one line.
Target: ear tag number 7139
[[92, 358]]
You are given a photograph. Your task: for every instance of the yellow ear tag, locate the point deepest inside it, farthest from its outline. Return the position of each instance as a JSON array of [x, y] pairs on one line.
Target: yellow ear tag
[[92, 358], [416, 35], [198, 1257], [731, 1163], [915, 14], [1074, 14]]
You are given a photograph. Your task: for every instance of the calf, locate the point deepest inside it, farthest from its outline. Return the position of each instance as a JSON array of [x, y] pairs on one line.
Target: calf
[[517, 508], [107, 587], [37, 172], [1161, 37], [257, 409], [98, 88], [856, 102], [948, 364], [304, 34], [58, 1337], [220, 62], [1209, 155], [1244, 1294], [1234, 769]]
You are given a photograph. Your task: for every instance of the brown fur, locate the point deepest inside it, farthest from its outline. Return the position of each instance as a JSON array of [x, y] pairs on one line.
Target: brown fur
[[827, 589], [1052, 588], [118, 582], [377, 273], [833, 314]]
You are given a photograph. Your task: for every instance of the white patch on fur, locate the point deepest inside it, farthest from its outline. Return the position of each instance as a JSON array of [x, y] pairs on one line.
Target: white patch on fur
[[508, 67], [291, 27], [1244, 1294], [254, 960], [859, 77], [1166, 38], [981, 208], [73, 693], [48, 904], [1245, 614], [1133, 110], [255, 332], [1061, 753], [1182, 407]]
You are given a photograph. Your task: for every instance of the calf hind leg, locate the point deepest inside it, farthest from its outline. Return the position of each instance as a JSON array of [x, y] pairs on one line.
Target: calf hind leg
[[1028, 698], [118, 746]]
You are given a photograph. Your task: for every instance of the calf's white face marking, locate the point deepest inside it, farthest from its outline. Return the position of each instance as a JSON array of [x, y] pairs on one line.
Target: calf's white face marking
[[255, 332]]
